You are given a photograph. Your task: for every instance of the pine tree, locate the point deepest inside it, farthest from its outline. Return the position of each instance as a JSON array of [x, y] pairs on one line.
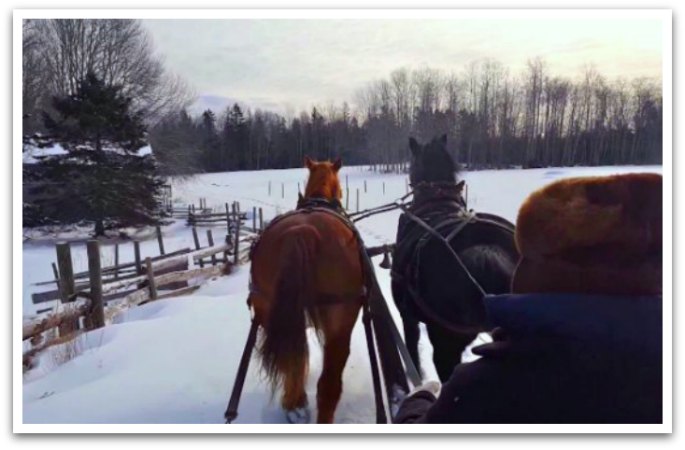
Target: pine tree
[[101, 178]]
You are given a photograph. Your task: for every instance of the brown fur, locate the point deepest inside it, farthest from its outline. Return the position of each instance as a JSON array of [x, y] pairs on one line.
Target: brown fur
[[323, 179], [301, 263], [592, 235]]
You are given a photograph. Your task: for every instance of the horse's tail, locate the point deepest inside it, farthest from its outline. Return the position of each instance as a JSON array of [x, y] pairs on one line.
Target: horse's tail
[[284, 349]]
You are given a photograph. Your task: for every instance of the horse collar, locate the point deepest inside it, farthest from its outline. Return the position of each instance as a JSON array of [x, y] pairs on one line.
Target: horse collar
[[319, 202]]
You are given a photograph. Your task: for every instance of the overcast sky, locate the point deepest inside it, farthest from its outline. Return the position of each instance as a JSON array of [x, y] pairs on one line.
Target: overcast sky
[[289, 65]]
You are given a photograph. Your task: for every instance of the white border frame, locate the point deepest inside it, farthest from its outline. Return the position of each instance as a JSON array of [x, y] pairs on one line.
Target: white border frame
[[666, 17]]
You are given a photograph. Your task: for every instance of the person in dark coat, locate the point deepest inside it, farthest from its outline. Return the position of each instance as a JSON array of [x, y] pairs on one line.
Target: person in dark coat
[[580, 338]]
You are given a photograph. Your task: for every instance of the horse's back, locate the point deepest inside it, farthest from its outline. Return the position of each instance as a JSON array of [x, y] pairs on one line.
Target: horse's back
[[486, 248], [334, 251]]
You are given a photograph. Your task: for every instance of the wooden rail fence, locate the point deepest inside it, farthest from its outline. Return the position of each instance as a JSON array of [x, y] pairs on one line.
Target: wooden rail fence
[[89, 298]]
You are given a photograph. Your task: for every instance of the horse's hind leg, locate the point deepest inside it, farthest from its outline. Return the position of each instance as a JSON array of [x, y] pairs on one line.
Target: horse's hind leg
[[337, 324], [411, 338], [447, 349]]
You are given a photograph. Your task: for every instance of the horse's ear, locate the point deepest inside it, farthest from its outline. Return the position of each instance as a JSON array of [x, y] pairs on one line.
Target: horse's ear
[[337, 164], [414, 146], [308, 163], [443, 139]]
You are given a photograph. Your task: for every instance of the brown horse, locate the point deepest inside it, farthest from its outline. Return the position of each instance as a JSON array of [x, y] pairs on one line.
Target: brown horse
[[307, 270]]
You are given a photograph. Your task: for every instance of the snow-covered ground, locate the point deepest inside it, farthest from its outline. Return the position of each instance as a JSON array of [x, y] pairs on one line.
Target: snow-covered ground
[[174, 361]]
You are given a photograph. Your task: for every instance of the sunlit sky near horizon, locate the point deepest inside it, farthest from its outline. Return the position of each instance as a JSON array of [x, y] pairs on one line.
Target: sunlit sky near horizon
[[290, 65]]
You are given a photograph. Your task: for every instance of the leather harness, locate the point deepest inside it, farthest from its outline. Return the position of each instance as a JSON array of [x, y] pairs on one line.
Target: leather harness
[[335, 209], [438, 212]]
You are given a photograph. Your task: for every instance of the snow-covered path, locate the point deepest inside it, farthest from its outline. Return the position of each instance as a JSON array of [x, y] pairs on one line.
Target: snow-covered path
[[174, 361]]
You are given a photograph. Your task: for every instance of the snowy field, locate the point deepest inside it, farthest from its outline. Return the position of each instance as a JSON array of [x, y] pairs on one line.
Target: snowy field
[[174, 361]]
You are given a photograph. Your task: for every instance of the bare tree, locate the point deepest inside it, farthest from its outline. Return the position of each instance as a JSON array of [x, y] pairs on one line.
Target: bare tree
[[118, 51], [33, 77]]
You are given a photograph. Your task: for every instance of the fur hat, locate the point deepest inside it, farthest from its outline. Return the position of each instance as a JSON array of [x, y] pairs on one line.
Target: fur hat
[[595, 235]]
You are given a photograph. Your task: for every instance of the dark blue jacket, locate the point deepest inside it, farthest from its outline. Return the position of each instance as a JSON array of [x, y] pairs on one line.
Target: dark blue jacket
[[556, 358]]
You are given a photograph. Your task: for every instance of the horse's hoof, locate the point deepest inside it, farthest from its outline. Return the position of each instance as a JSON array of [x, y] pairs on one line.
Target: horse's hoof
[[299, 415]]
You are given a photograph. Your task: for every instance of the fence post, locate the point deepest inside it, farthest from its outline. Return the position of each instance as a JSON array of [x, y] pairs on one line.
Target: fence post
[[96, 318], [67, 285], [365, 186], [228, 220], [228, 244], [210, 241], [116, 261], [150, 279], [384, 188], [136, 253], [236, 242], [160, 240], [269, 188], [66, 270], [357, 199], [282, 190], [347, 198], [254, 219], [197, 245], [261, 219]]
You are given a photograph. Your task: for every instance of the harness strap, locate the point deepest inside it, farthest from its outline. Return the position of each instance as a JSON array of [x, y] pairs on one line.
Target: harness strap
[[456, 329], [468, 218], [438, 236]]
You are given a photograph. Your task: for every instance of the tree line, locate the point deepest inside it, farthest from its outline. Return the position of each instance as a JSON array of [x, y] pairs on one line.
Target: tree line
[[492, 119]]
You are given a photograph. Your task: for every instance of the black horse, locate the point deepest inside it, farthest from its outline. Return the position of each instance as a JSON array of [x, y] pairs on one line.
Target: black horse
[[430, 283]]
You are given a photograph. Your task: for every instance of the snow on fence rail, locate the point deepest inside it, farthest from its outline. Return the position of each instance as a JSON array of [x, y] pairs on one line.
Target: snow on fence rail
[[104, 292]]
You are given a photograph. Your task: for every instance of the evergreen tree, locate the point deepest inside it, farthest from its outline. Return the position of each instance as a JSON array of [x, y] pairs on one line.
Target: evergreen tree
[[211, 148], [101, 178]]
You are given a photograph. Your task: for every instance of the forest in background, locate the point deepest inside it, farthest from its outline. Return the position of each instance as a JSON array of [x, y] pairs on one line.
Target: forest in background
[[493, 118]]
